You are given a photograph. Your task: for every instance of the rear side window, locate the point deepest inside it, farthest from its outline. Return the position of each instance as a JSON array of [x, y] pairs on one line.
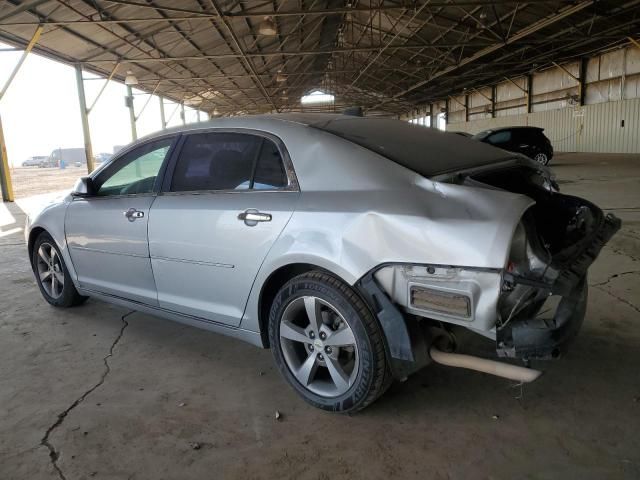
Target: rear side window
[[270, 172], [228, 161], [500, 138]]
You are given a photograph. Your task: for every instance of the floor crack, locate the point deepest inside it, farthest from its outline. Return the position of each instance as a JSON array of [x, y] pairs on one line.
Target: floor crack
[[626, 302], [625, 254], [54, 454], [615, 275]]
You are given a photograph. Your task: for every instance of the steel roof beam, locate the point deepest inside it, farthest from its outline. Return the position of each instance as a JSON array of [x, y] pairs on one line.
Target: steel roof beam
[[539, 25], [329, 11]]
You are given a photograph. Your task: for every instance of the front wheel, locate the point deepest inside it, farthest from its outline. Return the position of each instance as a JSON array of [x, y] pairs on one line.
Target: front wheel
[[327, 344], [52, 275]]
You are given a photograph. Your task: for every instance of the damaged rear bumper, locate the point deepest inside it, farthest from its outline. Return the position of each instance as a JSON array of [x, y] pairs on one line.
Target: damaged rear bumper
[[532, 337]]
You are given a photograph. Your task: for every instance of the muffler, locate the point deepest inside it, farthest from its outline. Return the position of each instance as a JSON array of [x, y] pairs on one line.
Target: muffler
[[504, 370]]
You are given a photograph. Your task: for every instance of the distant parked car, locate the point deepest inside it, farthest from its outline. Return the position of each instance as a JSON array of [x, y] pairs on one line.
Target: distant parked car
[[33, 161], [529, 141], [103, 157], [70, 156]]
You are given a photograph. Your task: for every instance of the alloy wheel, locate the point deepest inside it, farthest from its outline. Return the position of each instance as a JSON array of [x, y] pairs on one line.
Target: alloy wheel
[[319, 346], [50, 272], [541, 158]]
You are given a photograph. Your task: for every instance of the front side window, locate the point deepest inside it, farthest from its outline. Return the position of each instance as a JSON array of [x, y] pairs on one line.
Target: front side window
[[228, 161], [136, 171]]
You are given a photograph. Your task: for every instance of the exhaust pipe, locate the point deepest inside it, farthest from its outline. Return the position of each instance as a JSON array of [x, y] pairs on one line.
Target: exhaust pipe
[[504, 370]]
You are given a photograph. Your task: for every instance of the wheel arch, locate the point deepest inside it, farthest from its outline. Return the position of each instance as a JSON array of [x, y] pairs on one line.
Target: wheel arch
[[272, 285], [33, 235]]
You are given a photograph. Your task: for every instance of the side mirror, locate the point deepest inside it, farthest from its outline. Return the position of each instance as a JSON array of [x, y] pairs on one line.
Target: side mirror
[[84, 187]]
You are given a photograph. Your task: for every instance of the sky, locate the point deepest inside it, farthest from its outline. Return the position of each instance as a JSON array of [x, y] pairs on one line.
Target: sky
[[40, 111]]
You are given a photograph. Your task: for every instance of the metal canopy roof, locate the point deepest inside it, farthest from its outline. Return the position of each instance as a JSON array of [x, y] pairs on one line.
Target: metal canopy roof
[[386, 56]]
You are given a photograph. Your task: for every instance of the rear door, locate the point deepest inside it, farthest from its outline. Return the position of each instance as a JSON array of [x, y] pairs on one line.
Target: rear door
[[107, 232], [525, 140], [226, 200]]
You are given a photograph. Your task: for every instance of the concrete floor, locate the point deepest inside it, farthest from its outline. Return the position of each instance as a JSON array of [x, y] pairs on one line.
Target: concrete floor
[[126, 396]]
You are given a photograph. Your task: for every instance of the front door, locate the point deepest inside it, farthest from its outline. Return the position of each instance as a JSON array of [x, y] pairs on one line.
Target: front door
[[228, 200], [107, 231]]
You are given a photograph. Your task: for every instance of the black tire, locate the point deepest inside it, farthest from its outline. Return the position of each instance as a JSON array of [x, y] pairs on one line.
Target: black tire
[[69, 296], [373, 376], [542, 158]]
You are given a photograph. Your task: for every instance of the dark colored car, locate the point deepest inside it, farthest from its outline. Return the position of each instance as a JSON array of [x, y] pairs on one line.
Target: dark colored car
[[529, 141]]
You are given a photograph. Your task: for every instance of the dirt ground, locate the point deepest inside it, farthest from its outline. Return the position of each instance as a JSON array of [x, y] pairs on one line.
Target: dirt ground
[[120, 395], [29, 181]]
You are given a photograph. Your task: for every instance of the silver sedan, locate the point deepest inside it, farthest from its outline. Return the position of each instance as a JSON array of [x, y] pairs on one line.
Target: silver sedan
[[354, 248]]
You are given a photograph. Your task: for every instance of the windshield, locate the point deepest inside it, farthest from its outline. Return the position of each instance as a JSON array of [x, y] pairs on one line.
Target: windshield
[[426, 151]]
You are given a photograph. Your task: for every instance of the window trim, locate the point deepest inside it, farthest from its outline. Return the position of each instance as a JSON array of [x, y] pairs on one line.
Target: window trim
[[292, 179], [176, 137]]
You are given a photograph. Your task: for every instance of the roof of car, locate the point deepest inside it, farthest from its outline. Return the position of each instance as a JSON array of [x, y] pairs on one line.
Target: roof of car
[[427, 151], [515, 127]]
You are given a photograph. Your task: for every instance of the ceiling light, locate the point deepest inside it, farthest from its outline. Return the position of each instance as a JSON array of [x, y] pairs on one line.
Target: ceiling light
[[317, 96], [130, 79], [267, 27], [281, 77]]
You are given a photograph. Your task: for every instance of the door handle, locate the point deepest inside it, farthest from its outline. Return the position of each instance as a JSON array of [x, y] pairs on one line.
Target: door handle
[[132, 214], [251, 217]]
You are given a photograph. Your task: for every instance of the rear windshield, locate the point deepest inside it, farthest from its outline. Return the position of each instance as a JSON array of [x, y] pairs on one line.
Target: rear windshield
[[426, 151]]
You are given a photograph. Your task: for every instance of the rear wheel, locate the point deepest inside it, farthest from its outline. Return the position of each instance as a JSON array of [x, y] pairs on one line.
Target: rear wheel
[[327, 344], [52, 275], [542, 158]]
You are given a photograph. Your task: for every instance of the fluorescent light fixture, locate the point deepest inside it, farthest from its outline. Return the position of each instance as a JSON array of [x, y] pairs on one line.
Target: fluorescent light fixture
[[281, 77], [267, 27], [317, 97], [130, 79]]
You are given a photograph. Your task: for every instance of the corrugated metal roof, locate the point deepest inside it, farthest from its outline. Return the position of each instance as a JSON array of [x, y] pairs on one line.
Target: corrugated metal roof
[[383, 55]]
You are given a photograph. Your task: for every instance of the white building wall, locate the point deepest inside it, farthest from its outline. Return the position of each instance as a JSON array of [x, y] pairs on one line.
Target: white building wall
[[609, 122], [591, 128]]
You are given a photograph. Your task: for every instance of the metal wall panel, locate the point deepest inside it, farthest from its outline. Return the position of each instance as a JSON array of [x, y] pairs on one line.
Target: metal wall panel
[[591, 128]]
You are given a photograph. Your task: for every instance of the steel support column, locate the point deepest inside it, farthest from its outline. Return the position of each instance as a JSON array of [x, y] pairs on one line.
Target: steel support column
[[182, 115], [466, 107], [162, 117], [5, 173], [84, 117], [198, 115], [446, 113], [494, 94], [132, 114], [582, 79], [529, 93]]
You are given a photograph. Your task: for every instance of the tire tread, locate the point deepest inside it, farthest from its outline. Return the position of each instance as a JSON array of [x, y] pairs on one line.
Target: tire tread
[[382, 377]]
